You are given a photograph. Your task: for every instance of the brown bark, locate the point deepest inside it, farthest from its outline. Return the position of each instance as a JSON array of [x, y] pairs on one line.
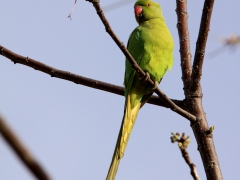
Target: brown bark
[[192, 86], [92, 83], [31, 163]]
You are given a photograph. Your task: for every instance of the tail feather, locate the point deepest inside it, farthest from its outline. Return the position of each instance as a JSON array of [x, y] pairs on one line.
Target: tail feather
[[129, 119], [114, 164]]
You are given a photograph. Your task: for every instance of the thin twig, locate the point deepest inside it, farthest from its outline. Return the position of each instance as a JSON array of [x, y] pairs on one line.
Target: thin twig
[[191, 165], [184, 40], [135, 66], [29, 161], [74, 5], [183, 143], [53, 72]]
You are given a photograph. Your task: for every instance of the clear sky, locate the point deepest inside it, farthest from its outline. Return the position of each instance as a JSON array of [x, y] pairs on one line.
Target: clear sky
[[72, 129]]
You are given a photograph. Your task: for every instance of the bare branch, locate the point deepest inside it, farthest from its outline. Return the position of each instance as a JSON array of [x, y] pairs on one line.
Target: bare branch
[[135, 66], [200, 47], [194, 101], [183, 143], [74, 5], [184, 41], [53, 72], [29, 161], [193, 90]]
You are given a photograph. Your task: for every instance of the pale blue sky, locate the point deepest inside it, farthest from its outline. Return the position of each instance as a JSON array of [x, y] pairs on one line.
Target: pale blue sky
[[72, 129]]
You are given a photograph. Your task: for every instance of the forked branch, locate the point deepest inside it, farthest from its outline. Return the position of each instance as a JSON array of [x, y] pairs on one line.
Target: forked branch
[[193, 90]]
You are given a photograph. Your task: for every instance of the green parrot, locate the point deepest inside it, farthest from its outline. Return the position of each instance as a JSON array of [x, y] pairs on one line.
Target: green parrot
[[151, 45]]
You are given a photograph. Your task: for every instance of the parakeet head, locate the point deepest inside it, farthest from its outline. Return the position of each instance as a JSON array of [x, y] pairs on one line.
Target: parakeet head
[[146, 9]]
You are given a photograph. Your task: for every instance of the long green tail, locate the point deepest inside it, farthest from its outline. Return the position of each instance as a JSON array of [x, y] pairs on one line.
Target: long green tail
[[115, 162], [129, 119]]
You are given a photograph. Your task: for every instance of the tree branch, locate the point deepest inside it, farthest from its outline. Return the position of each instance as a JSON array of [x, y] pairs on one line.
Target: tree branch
[[191, 165], [53, 72], [29, 161], [183, 143], [193, 99], [70, 14], [135, 66], [201, 46], [184, 40]]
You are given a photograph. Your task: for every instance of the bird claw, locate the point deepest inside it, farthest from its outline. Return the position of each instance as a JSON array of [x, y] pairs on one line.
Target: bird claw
[[146, 77], [155, 86]]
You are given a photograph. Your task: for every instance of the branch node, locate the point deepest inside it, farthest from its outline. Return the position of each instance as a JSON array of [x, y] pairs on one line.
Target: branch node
[[211, 165], [122, 44], [107, 30], [195, 95], [27, 58], [184, 39], [201, 53], [99, 11], [210, 131], [1, 51], [184, 13], [52, 73], [13, 60], [196, 122], [173, 109], [178, 25], [95, 83], [198, 148], [180, 1], [187, 71]]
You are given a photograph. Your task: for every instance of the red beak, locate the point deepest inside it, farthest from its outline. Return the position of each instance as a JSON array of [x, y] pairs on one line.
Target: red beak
[[137, 10]]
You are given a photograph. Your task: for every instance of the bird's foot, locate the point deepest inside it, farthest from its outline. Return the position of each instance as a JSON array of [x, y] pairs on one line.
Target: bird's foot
[[155, 86], [145, 78]]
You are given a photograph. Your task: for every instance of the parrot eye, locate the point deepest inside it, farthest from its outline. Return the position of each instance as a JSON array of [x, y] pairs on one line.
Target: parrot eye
[[148, 5]]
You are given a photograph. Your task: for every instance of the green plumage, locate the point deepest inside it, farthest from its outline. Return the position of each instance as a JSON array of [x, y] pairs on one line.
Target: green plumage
[[151, 45]]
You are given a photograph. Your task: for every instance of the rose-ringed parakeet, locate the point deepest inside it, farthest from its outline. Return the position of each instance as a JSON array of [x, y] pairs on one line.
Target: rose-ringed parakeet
[[151, 45]]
